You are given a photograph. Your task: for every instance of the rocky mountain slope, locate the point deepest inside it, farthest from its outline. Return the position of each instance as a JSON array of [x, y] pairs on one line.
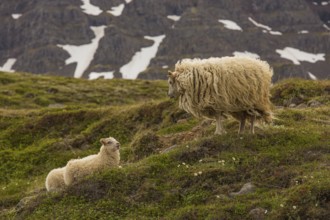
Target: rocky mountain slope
[[145, 38], [173, 166]]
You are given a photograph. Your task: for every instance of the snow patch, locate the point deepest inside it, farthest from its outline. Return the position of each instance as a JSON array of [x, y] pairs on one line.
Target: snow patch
[[141, 59], [326, 27], [296, 55], [118, 10], [83, 54], [275, 32], [7, 67], [174, 17], [312, 76], [303, 32], [324, 3], [246, 54], [128, 1], [105, 75], [90, 9], [260, 25], [165, 67], [231, 25], [266, 28], [16, 16]]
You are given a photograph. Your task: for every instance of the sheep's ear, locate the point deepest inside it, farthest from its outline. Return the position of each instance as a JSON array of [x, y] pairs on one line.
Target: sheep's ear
[[102, 140], [171, 74]]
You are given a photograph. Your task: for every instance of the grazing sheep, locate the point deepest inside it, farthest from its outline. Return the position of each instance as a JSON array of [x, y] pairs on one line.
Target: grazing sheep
[[55, 180], [213, 87], [107, 157]]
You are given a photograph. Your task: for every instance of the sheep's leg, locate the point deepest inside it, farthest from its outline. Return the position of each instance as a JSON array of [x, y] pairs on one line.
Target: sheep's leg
[[253, 118], [219, 129], [242, 123]]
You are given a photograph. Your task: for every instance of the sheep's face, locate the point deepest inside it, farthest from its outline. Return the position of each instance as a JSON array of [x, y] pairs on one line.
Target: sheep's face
[[173, 90], [110, 144]]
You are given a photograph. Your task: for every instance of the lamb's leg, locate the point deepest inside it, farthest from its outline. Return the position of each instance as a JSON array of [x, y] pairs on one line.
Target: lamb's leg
[[219, 129], [242, 123], [253, 118]]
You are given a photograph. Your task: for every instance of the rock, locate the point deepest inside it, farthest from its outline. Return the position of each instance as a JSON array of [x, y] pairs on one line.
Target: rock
[[24, 202], [302, 105], [257, 214], [247, 188], [314, 103], [31, 201]]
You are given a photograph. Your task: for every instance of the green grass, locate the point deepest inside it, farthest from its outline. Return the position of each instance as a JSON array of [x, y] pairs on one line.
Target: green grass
[[288, 161]]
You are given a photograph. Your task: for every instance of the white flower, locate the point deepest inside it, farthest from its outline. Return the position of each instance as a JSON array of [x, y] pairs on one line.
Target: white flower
[[200, 172], [222, 162], [183, 163], [200, 161], [294, 207], [195, 174], [233, 158], [187, 166], [282, 205], [266, 211], [120, 167], [179, 165], [187, 146], [218, 197]]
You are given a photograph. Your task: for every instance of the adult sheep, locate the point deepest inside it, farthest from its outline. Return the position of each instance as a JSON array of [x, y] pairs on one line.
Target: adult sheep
[[107, 157], [55, 180], [213, 87]]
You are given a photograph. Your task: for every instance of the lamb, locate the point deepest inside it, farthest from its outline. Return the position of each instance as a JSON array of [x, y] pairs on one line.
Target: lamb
[[214, 87], [108, 156], [55, 180]]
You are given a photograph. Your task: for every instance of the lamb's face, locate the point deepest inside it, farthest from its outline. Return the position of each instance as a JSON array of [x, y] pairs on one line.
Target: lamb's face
[[172, 85], [110, 144]]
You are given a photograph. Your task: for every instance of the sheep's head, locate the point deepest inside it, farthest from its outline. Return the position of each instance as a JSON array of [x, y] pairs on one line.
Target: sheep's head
[[110, 144], [173, 89]]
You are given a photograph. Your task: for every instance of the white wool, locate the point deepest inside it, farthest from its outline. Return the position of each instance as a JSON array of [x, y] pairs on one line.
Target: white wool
[[79, 168], [55, 180], [216, 86]]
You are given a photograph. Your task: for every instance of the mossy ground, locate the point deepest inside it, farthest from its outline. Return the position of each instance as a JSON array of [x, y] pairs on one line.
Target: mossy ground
[[173, 167]]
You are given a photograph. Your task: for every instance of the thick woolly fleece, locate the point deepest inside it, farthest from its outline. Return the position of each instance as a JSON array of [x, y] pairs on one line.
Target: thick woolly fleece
[[214, 86], [107, 157]]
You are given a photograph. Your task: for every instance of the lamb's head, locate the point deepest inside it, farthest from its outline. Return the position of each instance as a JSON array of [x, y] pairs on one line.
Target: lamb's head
[[173, 87], [110, 144]]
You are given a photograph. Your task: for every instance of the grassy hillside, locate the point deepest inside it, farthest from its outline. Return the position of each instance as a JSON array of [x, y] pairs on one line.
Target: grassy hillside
[[173, 167]]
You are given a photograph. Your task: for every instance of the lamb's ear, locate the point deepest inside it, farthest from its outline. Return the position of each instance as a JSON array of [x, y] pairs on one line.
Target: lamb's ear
[[102, 140], [171, 74]]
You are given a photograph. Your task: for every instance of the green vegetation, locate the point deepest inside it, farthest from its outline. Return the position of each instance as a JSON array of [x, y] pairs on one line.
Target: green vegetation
[[173, 167]]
